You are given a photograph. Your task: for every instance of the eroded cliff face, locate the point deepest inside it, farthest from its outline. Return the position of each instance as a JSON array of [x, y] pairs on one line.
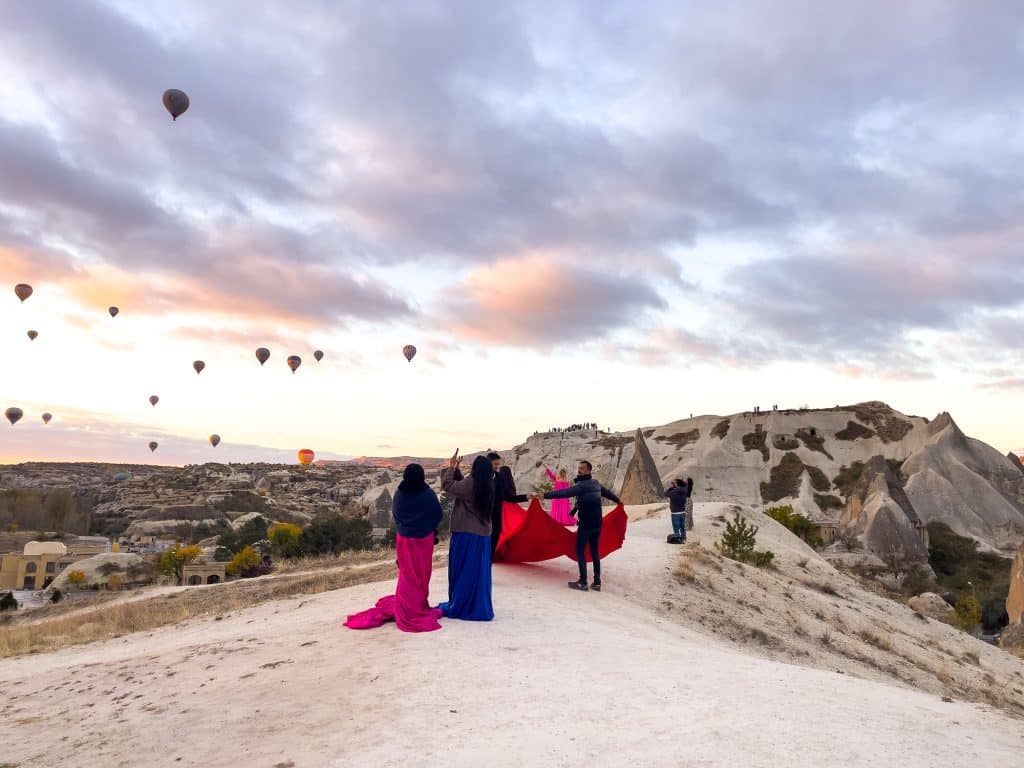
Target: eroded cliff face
[[641, 485], [1015, 600], [809, 459]]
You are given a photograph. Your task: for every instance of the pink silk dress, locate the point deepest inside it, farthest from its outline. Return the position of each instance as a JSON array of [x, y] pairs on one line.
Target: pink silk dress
[[560, 507], [408, 607]]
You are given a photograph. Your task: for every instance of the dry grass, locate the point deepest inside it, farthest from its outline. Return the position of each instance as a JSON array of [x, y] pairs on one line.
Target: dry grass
[[108, 621]]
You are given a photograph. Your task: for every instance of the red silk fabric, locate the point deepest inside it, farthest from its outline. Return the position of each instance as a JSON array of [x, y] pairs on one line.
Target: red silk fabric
[[530, 535]]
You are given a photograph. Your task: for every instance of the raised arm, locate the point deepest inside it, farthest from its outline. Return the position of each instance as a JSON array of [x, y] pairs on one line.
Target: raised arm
[[609, 495], [551, 475], [452, 482]]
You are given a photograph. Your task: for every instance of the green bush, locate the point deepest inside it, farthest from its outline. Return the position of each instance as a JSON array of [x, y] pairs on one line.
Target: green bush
[[967, 613], [961, 569], [738, 543], [8, 603], [284, 539], [334, 534], [249, 533], [797, 523]]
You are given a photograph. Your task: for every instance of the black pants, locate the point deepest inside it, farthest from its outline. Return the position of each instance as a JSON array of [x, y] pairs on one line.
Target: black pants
[[591, 537]]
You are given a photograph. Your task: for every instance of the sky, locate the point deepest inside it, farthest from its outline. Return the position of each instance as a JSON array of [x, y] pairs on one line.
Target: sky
[[615, 212]]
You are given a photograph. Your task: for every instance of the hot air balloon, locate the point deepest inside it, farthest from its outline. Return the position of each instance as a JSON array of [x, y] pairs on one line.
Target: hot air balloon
[[153, 445], [23, 291], [214, 440], [113, 311], [294, 361], [306, 457], [175, 102], [318, 355], [47, 417], [13, 415], [32, 335], [199, 365], [262, 354], [409, 351], [153, 400]]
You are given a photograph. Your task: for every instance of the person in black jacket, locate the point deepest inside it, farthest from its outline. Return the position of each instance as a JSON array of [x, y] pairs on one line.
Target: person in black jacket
[[677, 494], [504, 490], [415, 508], [588, 494]]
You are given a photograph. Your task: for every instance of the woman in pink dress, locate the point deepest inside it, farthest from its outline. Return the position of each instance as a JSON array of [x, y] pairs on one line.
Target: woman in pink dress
[[560, 507]]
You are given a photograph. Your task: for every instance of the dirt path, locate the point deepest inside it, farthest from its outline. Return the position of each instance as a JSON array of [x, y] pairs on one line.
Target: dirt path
[[560, 678]]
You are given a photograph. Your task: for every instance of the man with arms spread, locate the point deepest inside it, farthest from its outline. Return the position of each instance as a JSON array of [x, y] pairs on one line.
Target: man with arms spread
[[588, 494]]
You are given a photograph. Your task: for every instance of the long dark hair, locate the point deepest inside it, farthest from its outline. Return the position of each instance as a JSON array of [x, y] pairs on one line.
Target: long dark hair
[[414, 479], [483, 486], [689, 484]]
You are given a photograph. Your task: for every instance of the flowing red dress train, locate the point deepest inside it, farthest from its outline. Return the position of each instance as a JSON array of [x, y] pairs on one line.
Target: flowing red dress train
[[530, 535], [409, 606]]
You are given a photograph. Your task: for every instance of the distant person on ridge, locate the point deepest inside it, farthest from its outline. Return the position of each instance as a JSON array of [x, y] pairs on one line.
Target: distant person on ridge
[[469, 550], [588, 494], [417, 514], [678, 494], [560, 507]]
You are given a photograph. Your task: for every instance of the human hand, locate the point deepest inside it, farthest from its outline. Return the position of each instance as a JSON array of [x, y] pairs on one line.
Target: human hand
[[455, 460]]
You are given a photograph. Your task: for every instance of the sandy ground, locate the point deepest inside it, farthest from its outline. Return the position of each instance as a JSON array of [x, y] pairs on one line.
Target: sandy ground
[[559, 678]]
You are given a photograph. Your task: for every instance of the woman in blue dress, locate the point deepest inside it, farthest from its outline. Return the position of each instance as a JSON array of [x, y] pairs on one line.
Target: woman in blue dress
[[469, 552]]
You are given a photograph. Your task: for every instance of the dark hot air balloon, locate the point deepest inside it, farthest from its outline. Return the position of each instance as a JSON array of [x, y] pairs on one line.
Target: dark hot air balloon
[[409, 351], [153, 445], [318, 355], [214, 440], [47, 417], [306, 457], [262, 354], [153, 400], [294, 361], [14, 415], [175, 102], [199, 365], [32, 335], [23, 291], [113, 311]]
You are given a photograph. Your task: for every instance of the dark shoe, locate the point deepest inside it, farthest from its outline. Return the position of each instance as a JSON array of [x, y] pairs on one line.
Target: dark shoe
[[580, 585], [596, 586]]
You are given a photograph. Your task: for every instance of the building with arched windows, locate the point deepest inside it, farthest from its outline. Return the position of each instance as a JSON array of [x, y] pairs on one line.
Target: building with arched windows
[[37, 565]]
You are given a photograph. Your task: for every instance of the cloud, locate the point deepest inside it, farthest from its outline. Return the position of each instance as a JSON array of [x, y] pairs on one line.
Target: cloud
[[536, 301]]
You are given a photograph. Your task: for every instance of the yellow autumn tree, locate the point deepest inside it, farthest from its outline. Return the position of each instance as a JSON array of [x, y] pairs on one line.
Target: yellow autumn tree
[[246, 560], [284, 538]]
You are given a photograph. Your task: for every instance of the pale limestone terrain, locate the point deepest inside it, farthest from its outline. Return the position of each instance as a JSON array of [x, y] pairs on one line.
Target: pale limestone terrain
[[663, 668]]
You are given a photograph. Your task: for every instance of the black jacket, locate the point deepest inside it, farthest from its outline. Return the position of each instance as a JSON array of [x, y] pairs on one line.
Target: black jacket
[[677, 497], [505, 490], [416, 514], [588, 494]]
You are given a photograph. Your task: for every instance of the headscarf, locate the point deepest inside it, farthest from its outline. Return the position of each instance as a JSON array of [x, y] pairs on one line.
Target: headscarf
[[413, 479], [483, 486], [508, 483]]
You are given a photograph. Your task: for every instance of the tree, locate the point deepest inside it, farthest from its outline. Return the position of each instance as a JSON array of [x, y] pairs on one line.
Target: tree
[[8, 603], [172, 562], [797, 523], [284, 539], [739, 542], [244, 564], [77, 578], [59, 506], [249, 533], [967, 613], [335, 534]]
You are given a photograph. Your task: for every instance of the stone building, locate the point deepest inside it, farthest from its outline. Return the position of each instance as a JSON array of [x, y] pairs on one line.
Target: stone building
[[203, 572], [37, 565]]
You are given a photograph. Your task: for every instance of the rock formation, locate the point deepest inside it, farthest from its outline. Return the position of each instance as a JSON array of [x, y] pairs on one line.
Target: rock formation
[[1015, 600], [931, 605], [641, 485], [966, 484], [881, 514], [130, 569]]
